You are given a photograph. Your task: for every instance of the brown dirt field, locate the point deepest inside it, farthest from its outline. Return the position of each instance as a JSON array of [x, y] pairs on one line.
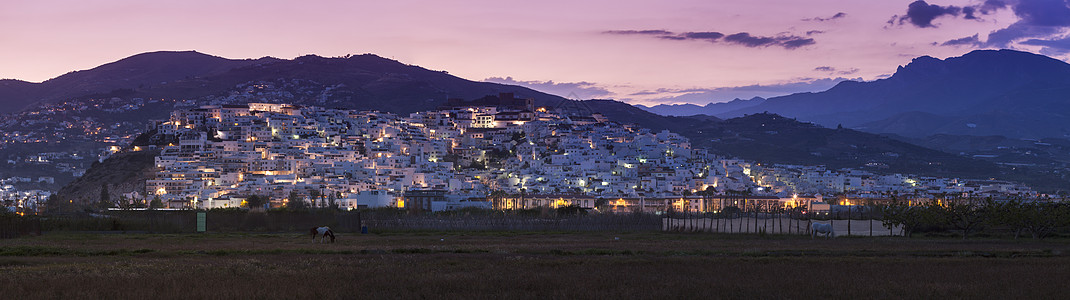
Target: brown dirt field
[[527, 265]]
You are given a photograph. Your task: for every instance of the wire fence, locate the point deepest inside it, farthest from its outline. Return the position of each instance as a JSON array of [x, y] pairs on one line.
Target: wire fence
[[13, 226], [158, 221], [300, 221], [779, 223]]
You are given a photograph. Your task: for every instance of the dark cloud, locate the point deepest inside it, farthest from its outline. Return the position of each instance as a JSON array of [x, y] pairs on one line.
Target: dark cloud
[[969, 41], [743, 38], [746, 39], [850, 71], [788, 42], [672, 37], [921, 13], [813, 32], [796, 42], [1018, 31], [1051, 47], [968, 13], [709, 36], [1039, 21], [833, 17], [582, 89], [992, 5], [1043, 12], [638, 32], [836, 71], [703, 96]]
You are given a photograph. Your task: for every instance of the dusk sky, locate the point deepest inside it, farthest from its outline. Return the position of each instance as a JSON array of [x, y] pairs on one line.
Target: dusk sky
[[642, 52]]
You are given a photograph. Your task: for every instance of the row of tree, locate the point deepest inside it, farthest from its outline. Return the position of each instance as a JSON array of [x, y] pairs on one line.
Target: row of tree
[[1039, 219]]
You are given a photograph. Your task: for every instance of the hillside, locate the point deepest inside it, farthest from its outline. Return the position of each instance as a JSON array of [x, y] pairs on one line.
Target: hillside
[[360, 81], [985, 92], [17, 94], [772, 138], [123, 173], [139, 72]]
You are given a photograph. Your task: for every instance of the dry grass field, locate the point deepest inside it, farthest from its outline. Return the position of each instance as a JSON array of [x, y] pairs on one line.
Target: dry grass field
[[527, 265]]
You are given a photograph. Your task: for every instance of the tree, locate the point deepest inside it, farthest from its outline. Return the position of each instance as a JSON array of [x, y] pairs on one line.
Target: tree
[[600, 203], [254, 201], [571, 210], [56, 205], [332, 201], [707, 197], [296, 202], [497, 199], [313, 196], [156, 202], [124, 203], [964, 216], [911, 218], [1041, 219], [105, 198]]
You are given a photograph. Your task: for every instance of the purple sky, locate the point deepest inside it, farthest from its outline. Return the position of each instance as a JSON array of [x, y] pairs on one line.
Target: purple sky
[[644, 52]]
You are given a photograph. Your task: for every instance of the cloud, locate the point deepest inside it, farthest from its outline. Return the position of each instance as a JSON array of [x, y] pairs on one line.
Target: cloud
[[796, 42], [1051, 47], [703, 96], [833, 17], [1043, 23], [1037, 20], [831, 70], [813, 32], [638, 32], [969, 41], [746, 39], [786, 41], [921, 14], [711, 36], [582, 89]]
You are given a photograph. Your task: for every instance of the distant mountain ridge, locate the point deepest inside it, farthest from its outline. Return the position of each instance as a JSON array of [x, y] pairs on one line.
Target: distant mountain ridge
[[710, 109], [984, 92]]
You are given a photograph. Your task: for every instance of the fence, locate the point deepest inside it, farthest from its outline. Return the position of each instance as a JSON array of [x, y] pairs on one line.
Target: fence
[[290, 221], [12, 226], [630, 222], [779, 225]]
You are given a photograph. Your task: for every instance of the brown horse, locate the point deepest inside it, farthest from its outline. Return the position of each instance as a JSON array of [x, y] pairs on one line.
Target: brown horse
[[323, 232]]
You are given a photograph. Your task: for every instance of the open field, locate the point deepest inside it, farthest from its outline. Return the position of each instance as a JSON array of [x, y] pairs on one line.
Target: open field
[[527, 265]]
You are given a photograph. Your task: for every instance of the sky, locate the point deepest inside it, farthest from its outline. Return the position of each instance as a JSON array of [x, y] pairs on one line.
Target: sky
[[641, 52]]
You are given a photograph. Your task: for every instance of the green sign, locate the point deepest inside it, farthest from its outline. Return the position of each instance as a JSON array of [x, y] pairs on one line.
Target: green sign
[[201, 222]]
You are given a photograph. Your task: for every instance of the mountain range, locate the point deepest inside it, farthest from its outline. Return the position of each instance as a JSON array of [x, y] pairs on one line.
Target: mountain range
[[982, 93]]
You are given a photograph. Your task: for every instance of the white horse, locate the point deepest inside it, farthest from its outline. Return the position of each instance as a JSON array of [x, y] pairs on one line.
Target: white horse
[[323, 232], [821, 228]]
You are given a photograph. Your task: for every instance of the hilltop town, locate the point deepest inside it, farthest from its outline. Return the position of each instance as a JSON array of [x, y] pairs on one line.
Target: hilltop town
[[497, 152]]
